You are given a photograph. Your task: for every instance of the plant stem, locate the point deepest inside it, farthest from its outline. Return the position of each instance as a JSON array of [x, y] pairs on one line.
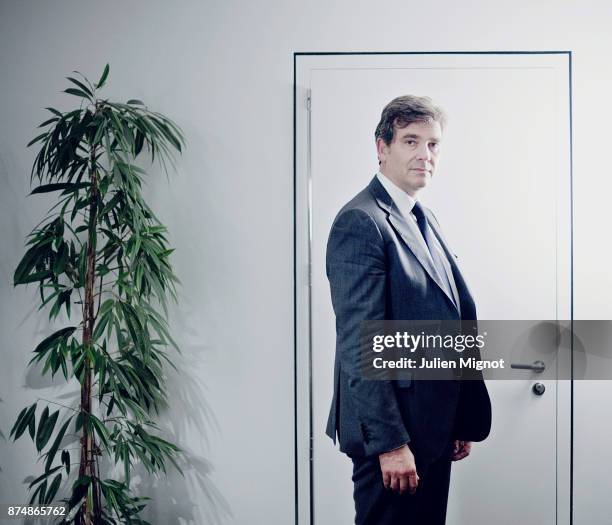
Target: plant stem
[[91, 507]]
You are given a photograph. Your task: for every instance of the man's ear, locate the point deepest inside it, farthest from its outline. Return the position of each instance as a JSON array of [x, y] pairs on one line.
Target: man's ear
[[381, 149]]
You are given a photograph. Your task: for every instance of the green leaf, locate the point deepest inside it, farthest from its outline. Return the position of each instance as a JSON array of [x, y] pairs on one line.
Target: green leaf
[[18, 421], [64, 368], [44, 476], [25, 419], [28, 262], [47, 122], [135, 102], [72, 186], [76, 92], [32, 425], [56, 444], [59, 265], [52, 490], [78, 423], [55, 112], [79, 490], [40, 491], [66, 460], [100, 429], [52, 340], [42, 421], [35, 277], [45, 428], [105, 316], [103, 77], [81, 85], [36, 139], [21, 423]]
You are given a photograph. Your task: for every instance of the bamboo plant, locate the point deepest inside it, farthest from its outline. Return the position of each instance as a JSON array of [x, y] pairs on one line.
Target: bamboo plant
[[102, 256]]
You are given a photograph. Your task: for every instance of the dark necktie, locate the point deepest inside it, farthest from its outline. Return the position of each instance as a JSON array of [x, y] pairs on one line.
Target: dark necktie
[[436, 256]]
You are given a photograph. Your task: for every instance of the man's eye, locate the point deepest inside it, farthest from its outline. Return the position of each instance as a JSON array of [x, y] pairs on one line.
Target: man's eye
[[411, 142], [434, 146]]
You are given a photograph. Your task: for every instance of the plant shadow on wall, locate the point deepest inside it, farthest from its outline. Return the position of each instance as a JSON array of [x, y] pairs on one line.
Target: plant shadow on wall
[[172, 502], [101, 260]]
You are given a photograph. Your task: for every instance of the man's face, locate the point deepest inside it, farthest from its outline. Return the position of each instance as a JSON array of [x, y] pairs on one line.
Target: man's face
[[410, 160]]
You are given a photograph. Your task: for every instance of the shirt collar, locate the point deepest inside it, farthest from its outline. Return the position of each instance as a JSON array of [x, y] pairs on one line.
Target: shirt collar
[[402, 200]]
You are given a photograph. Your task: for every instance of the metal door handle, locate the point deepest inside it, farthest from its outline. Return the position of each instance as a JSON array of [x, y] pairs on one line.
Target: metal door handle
[[537, 366]]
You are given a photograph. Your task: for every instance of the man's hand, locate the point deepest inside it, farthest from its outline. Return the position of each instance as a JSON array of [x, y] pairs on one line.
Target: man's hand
[[399, 470], [461, 449]]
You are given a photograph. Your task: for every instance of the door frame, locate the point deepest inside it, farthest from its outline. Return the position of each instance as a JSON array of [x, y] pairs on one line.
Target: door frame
[[302, 281]]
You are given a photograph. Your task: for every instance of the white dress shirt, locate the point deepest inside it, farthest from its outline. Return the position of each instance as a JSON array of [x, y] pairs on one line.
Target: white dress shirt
[[404, 203]]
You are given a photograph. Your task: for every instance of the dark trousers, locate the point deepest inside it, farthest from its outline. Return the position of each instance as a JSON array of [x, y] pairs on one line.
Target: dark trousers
[[375, 505]]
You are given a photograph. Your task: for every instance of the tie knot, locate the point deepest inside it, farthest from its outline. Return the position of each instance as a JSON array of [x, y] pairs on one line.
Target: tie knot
[[417, 209]]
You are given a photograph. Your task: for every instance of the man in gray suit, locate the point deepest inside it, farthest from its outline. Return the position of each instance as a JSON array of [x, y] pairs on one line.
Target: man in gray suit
[[387, 259]]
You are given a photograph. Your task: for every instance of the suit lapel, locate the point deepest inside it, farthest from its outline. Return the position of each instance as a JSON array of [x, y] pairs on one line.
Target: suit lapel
[[452, 261], [446, 261], [399, 224]]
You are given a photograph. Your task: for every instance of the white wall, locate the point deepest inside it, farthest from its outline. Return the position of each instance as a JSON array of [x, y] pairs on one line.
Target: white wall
[[223, 71]]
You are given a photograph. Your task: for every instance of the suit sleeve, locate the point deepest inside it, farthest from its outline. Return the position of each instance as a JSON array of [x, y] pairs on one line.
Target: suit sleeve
[[356, 269]]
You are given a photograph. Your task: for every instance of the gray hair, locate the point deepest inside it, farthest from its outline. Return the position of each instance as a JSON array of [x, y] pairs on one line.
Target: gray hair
[[403, 111]]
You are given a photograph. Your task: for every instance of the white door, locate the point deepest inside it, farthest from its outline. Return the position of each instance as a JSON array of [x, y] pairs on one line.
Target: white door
[[502, 195]]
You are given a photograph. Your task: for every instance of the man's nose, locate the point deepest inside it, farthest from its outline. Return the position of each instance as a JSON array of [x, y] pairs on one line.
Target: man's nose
[[424, 153]]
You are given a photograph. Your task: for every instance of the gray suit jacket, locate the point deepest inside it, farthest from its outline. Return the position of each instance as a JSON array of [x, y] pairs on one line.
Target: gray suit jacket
[[377, 269]]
